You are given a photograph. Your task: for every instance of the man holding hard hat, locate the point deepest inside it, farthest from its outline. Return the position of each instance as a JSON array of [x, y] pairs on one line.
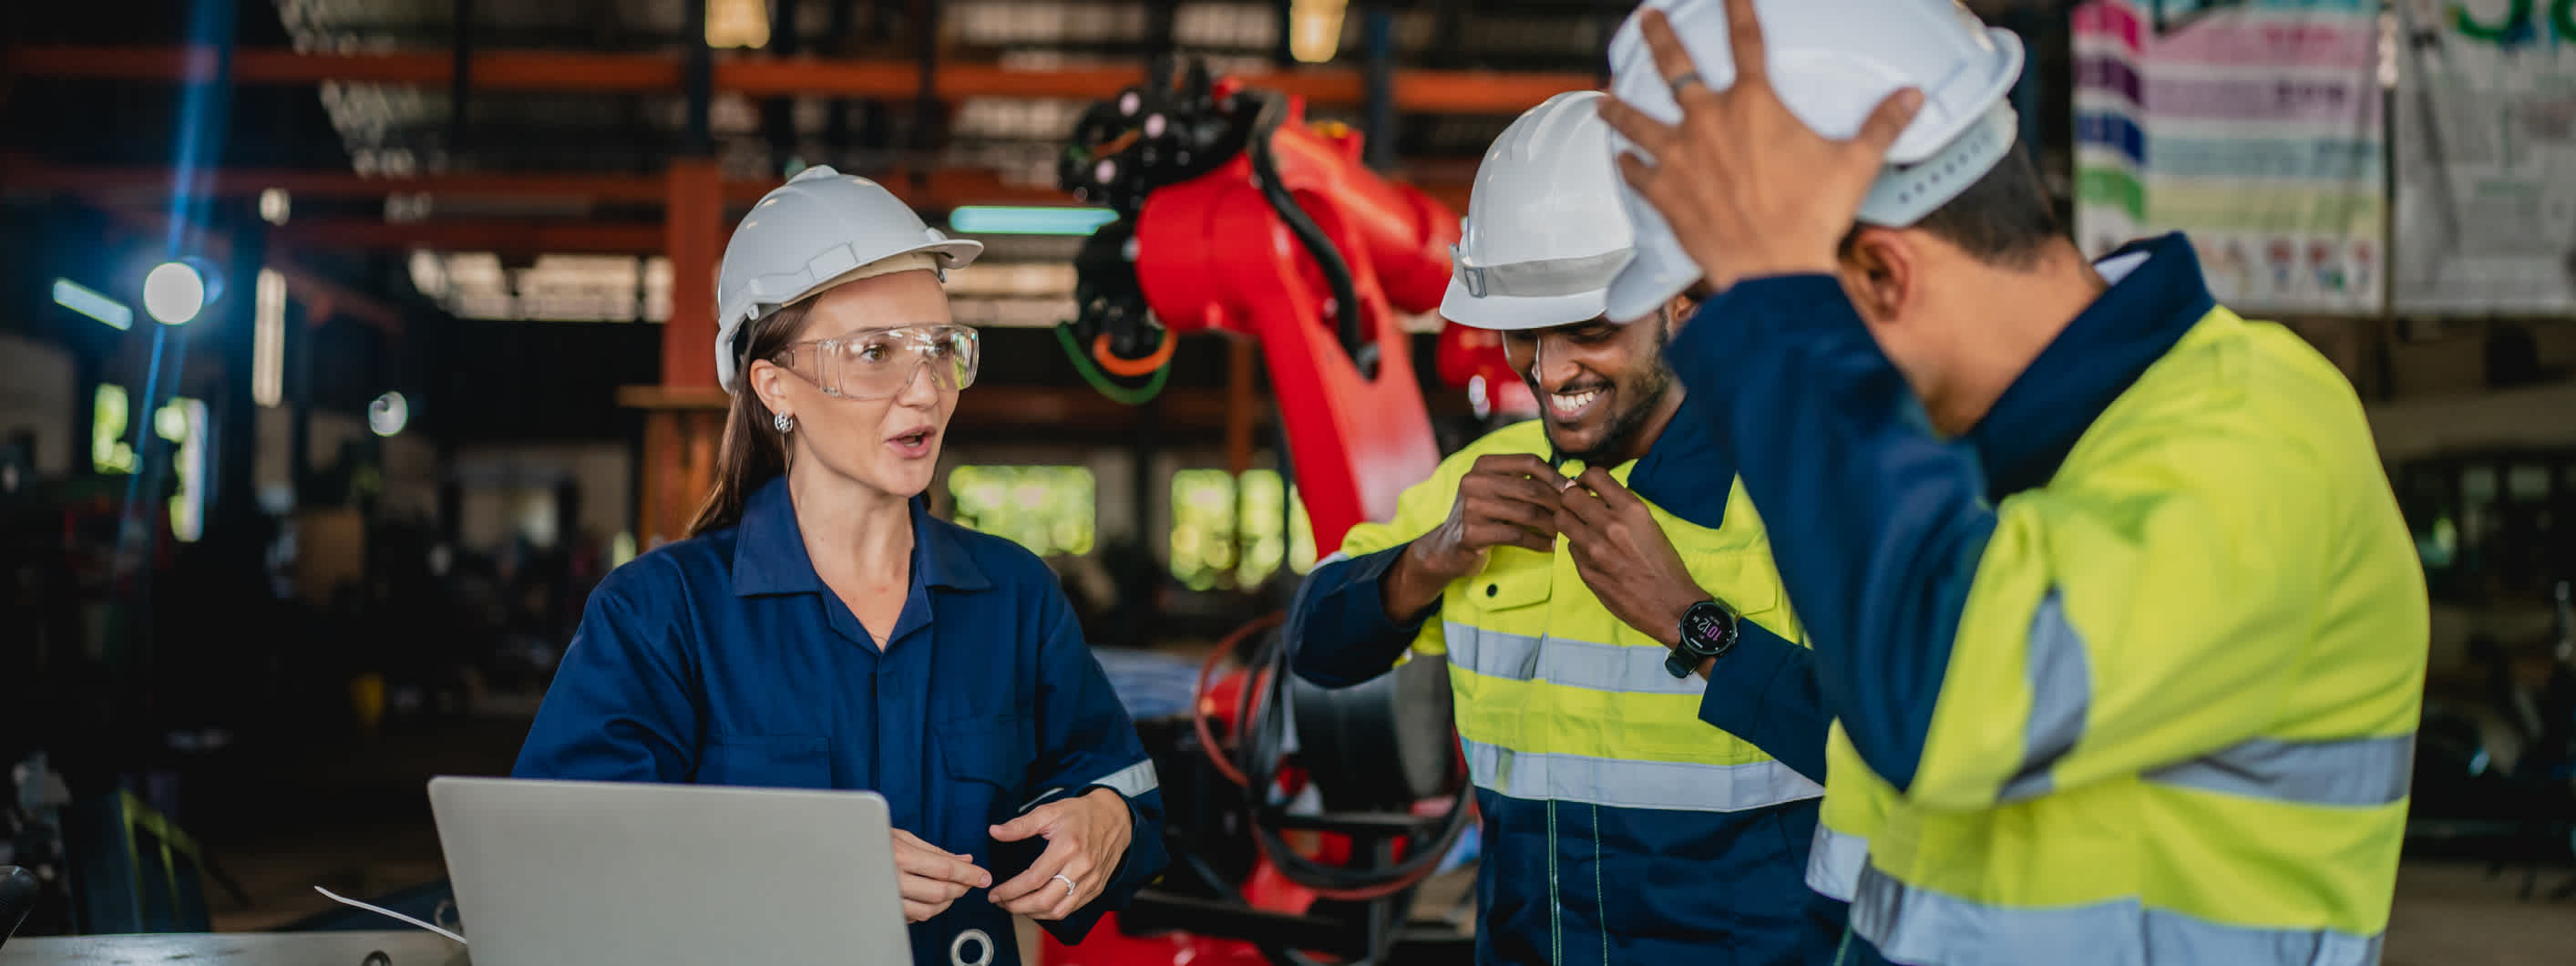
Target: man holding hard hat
[[2121, 628]]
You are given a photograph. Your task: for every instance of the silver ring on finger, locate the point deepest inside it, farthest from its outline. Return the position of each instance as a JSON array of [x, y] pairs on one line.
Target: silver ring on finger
[[1070, 890], [1686, 79]]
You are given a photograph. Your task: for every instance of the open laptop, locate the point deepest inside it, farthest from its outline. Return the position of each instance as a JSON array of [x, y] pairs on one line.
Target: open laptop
[[557, 873]]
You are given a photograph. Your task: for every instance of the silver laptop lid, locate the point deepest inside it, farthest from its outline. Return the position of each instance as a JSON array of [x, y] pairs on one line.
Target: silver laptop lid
[[557, 873]]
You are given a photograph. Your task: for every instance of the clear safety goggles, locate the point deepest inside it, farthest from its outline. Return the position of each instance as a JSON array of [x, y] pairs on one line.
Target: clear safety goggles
[[879, 363]]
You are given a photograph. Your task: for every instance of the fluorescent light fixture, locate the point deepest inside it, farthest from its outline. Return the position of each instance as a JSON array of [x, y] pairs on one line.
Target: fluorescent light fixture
[[268, 341], [1001, 220], [71, 295], [1315, 29]]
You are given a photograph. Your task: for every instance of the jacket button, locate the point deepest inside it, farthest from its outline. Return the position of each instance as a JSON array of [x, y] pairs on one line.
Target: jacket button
[[1492, 589]]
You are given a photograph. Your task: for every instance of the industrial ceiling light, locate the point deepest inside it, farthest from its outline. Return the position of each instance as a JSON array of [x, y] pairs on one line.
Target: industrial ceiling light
[[174, 293], [388, 414], [737, 23], [1314, 29]]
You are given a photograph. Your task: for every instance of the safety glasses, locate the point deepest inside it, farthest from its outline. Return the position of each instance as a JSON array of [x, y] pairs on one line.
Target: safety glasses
[[878, 363]]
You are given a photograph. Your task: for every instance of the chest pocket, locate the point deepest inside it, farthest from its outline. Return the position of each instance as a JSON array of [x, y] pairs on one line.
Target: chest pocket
[[1503, 611], [990, 750], [767, 761], [1743, 578]]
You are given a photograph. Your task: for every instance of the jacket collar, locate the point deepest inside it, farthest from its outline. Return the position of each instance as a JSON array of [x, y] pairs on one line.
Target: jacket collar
[[1683, 464], [769, 549], [2156, 294]]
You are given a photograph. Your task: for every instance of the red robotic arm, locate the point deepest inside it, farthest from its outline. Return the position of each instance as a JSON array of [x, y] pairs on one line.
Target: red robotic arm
[[1236, 215], [1358, 438], [1278, 233]]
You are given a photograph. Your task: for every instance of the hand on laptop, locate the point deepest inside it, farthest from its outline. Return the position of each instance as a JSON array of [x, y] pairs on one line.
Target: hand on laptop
[[1086, 837], [930, 877]]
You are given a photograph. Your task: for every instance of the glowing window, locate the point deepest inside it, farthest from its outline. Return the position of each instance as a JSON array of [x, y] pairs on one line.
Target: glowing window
[[1208, 513], [1051, 510], [182, 422], [108, 448]]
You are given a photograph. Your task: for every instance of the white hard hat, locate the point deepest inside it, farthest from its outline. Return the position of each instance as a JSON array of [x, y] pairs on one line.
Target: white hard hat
[[818, 230], [1832, 62], [1545, 231]]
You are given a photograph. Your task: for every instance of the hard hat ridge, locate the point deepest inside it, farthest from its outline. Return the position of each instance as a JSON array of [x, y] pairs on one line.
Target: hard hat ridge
[[820, 229], [1831, 62], [1545, 231]]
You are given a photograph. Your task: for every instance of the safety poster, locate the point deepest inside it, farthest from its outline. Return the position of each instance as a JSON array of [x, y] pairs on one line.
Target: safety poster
[[2258, 128]]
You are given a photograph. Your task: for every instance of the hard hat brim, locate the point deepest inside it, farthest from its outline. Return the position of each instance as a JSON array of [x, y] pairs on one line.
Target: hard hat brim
[[1660, 270], [951, 253], [1512, 313]]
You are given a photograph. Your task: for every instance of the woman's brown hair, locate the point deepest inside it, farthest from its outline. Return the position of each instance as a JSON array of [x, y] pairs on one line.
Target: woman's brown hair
[[754, 452]]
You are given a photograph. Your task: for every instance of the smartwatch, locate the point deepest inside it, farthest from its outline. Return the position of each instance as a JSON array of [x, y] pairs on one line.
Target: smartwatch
[[1708, 630]]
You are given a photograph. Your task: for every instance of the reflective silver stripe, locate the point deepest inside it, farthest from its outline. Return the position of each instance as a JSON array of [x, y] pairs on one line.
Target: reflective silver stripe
[[1133, 780], [1540, 277], [1911, 925], [1041, 799], [2357, 772], [1834, 864], [1622, 783], [2061, 692], [1557, 660]]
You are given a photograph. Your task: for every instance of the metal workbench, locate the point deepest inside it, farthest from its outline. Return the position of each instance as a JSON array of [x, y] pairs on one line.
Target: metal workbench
[[395, 948]]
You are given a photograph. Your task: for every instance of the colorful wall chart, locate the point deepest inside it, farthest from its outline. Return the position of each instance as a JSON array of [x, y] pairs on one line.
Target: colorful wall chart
[[2255, 128], [2486, 156]]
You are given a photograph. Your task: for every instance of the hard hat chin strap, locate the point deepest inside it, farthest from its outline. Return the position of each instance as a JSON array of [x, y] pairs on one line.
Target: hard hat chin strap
[[1906, 193]]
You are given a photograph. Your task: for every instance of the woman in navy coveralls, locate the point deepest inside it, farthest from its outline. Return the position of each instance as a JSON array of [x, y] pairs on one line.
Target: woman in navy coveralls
[[820, 629]]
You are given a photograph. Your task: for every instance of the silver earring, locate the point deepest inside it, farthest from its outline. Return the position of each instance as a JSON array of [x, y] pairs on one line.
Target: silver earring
[[784, 423]]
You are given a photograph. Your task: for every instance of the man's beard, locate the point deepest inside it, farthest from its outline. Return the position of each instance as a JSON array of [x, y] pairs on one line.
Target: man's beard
[[1637, 403]]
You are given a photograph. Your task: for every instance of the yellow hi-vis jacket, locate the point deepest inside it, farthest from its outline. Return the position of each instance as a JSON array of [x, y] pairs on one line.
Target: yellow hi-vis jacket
[[2129, 674], [1620, 827]]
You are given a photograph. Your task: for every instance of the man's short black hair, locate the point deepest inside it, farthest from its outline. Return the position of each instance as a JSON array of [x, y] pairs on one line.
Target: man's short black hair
[[2004, 219]]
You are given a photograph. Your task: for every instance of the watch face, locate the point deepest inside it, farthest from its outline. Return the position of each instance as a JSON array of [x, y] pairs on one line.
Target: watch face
[[1708, 629]]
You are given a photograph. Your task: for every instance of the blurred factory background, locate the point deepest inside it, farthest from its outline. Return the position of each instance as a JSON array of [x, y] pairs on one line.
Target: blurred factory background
[[287, 528]]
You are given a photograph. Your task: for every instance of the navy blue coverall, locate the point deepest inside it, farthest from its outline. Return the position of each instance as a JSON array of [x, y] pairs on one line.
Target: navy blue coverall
[[724, 660]]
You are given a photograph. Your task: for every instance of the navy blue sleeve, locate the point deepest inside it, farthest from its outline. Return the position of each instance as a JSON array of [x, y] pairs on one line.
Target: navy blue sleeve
[[621, 707], [1876, 523], [1087, 742], [1339, 633], [1764, 691]]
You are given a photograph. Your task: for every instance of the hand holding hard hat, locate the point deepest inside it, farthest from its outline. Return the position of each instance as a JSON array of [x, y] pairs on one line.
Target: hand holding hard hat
[[1763, 141]]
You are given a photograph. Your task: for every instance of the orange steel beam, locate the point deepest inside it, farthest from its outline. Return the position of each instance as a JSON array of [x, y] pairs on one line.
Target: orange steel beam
[[934, 190], [929, 190], [494, 234], [1450, 91]]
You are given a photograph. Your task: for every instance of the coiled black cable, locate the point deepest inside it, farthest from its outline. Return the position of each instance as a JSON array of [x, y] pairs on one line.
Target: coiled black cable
[[1258, 754]]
